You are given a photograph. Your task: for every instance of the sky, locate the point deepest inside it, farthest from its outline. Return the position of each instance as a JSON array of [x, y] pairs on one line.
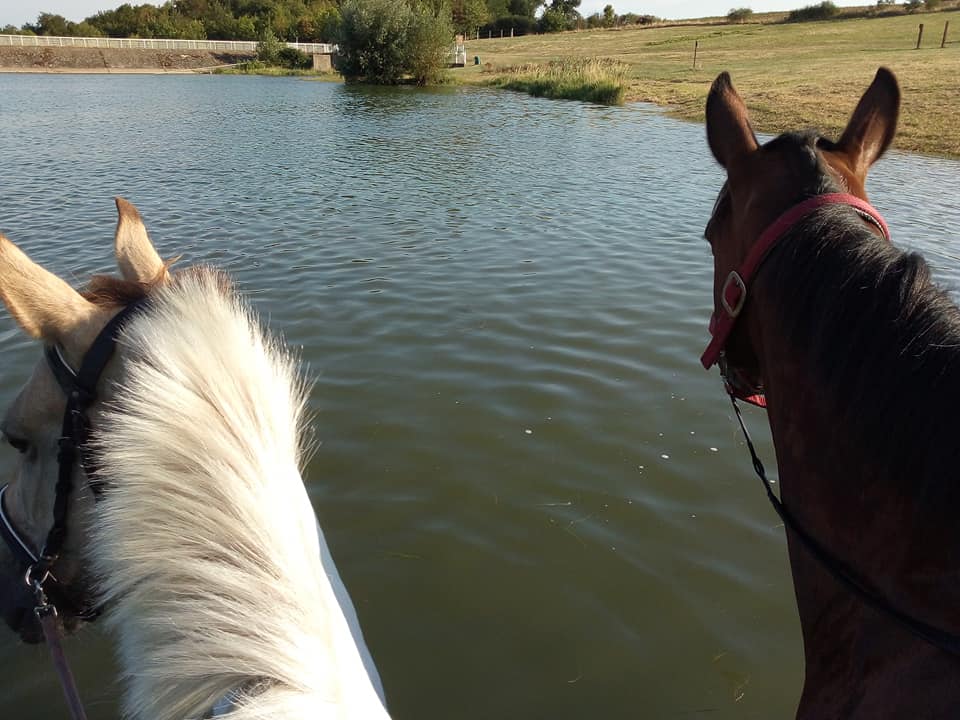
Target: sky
[[18, 12]]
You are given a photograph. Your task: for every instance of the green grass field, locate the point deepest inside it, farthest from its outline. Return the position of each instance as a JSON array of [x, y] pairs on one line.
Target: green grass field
[[790, 75]]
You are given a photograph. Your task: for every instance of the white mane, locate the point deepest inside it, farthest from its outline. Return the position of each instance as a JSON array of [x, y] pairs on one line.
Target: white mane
[[205, 543]]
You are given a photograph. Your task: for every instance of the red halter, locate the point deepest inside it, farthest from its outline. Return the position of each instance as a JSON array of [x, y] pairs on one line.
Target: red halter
[[733, 296]]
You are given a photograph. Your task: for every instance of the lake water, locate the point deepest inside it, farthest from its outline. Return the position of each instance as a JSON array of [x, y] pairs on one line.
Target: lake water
[[538, 499]]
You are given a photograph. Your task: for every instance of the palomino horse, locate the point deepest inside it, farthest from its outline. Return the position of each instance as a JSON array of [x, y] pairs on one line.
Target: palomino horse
[[188, 523], [857, 353]]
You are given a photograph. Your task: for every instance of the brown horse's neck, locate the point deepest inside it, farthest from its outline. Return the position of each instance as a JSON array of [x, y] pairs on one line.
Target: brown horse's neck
[[859, 663]]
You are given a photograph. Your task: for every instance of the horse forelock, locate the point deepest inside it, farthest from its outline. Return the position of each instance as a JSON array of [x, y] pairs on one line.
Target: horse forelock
[[205, 543], [111, 291]]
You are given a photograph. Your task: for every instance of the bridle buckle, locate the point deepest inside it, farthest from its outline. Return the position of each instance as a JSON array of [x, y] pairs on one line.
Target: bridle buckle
[[735, 280]]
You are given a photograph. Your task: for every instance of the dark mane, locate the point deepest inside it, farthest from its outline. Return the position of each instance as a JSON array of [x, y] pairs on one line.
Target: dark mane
[[880, 339]]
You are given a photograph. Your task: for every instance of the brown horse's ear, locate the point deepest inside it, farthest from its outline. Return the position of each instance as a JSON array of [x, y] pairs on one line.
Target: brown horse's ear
[[728, 126], [40, 302], [873, 123], [136, 257]]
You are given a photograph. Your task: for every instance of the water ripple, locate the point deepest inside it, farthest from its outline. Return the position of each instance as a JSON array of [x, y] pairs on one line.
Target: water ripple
[[538, 498]]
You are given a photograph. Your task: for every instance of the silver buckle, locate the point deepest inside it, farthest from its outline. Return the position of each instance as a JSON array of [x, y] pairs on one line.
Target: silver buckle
[[733, 277]]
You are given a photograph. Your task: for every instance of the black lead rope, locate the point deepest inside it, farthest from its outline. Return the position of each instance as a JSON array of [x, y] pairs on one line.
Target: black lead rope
[[948, 642]]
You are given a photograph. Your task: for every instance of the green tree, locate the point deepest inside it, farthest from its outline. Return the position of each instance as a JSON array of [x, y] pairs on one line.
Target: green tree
[[567, 7], [85, 29], [269, 47], [468, 15], [385, 41], [51, 24], [609, 16], [527, 8], [246, 27], [429, 41], [739, 15], [553, 20], [498, 8]]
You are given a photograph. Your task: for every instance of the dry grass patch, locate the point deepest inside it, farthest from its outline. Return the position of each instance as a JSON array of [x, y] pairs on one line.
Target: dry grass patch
[[791, 75]]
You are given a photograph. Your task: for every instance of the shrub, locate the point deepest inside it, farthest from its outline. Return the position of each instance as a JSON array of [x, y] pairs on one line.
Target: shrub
[[383, 41], [428, 43], [911, 5], [553, 20], [634, 19], [739, 15], [931, 4], [294, 59], [269, 47], [373, 35], [824, 11]]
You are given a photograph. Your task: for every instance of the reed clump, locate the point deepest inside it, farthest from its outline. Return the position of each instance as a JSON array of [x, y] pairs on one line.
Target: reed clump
[[597, 80]]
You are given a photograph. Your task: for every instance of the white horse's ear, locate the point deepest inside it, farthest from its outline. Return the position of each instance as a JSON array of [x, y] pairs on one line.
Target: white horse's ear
[[40, 302], [137, 259]]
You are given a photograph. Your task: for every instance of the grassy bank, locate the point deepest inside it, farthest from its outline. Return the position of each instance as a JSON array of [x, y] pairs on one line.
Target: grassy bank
[[594, 80], [791, 75], [255, 67]]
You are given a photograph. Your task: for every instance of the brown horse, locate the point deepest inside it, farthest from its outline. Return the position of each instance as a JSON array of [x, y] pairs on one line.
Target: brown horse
[[858, 355]]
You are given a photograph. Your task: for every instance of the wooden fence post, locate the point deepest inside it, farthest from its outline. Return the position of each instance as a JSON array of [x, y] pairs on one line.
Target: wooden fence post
[[696, 46], [919, 36], [943, 43]]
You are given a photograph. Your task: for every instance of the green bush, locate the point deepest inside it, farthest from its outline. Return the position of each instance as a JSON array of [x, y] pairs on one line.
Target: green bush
[[553, 21], [911, 5], [269, 47], [429, 41], [294, 59], [634, 19], [386, 41], [824, 11], [739, 15]]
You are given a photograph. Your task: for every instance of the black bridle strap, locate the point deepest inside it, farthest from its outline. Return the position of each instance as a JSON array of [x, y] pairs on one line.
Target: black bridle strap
[[15, 541], [946, 641], [80, 388]]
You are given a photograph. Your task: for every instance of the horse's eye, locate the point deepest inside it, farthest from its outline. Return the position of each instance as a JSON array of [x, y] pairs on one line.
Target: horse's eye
[[18, 444]]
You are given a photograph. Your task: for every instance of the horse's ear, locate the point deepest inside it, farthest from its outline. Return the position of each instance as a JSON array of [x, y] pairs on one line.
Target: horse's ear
[[40, 302], [728, 126], [873, 123], [136, 257]]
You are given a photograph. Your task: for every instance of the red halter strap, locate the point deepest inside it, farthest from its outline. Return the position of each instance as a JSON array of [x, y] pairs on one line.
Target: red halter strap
[[734, 292]]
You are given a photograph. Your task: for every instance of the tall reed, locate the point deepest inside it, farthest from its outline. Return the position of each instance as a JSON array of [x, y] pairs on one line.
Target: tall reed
[[597, 80]]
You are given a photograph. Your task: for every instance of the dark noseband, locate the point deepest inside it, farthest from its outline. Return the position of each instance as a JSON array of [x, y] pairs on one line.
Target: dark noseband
[[80, 387]]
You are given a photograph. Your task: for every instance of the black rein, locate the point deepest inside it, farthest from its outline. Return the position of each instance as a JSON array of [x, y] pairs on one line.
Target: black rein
[[946, 641]]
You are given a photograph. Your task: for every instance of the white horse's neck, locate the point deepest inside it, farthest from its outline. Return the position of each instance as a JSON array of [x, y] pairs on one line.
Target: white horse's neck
[[212, 567]]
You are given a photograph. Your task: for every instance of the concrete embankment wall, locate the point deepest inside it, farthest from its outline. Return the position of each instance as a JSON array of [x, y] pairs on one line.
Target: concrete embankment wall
[[106, 60]]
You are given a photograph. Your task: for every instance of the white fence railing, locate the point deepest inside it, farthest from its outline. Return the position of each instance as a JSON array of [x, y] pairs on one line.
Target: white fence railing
[[152, 43]]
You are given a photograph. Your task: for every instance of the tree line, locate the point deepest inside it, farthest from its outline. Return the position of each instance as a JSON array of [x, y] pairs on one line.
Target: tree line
[[312, 20]]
